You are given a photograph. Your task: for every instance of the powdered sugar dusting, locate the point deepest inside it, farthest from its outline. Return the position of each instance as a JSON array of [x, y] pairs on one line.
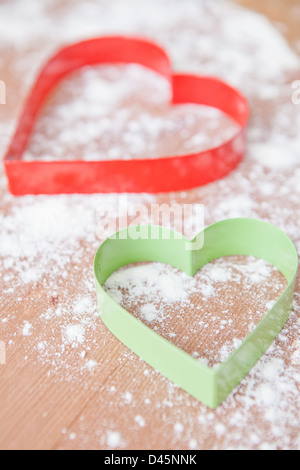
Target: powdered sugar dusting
[[27, 329], [164, 298], [123, 122], [60, 350], [113, 439]]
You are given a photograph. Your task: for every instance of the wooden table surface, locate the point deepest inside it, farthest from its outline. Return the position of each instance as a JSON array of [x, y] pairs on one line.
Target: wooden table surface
[[67, 382]]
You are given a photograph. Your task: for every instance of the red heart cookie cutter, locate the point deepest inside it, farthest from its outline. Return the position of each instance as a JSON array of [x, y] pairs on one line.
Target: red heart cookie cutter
[[142, 175]]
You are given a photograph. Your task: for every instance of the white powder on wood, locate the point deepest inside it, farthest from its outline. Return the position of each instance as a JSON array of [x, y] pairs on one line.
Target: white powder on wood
[[27, 329], [75, 334], [47, 244], [113, 439]]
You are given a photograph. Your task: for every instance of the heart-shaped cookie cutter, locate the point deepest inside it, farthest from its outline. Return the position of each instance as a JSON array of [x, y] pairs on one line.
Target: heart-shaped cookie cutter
[[151, 175], [247, 237]]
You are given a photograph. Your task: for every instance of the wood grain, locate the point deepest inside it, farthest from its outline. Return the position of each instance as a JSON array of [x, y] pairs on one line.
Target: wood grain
[[50, 402]]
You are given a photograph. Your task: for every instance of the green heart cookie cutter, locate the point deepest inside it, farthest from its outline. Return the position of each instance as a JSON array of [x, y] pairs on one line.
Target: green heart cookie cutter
[[247, 237]]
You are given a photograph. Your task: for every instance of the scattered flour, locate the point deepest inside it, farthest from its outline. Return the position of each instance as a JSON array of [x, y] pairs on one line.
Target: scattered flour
[[75, 334], [47, 244], [163, 298], [149, 312], [128, 398], [193, 444], [178, 428], [91, 364], [140, 421], [113, 439], [27, 329]]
